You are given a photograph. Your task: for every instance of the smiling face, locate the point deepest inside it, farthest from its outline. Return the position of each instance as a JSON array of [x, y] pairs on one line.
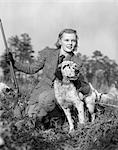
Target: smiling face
[[68, 42]]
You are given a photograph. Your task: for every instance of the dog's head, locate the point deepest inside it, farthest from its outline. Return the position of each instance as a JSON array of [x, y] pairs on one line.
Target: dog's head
[[70, 69]]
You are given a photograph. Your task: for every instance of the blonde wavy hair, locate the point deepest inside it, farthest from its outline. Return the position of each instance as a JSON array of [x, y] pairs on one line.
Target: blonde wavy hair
[[67, 31]]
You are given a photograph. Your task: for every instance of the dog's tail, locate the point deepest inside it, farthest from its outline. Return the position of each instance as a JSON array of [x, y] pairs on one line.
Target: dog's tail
[[100, 97]]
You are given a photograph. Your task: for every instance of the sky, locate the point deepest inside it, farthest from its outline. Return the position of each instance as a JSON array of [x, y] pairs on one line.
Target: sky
[[96, 22]]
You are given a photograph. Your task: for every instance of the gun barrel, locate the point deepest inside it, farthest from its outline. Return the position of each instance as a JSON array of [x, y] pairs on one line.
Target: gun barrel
[[3, 34]]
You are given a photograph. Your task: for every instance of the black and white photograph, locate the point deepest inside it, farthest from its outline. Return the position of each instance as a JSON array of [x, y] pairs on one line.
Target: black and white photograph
[[58, 75]]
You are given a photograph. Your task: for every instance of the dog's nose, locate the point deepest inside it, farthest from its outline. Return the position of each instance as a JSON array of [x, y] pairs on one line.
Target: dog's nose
[[76, 71], [7, 90]]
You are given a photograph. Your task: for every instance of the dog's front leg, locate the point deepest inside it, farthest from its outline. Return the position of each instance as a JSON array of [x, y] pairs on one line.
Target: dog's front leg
[[80, 108], [90, 104], [69, 118], [91, 108]]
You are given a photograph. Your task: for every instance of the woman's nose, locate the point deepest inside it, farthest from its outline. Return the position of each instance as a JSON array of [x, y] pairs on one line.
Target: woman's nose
[[70, 42]]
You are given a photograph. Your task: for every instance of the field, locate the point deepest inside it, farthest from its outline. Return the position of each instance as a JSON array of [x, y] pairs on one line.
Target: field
[[23, 133]]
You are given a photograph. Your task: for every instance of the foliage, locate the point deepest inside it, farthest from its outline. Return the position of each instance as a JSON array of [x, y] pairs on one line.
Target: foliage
[[24, 133], [100, 70], [22, 50], [5, 67]]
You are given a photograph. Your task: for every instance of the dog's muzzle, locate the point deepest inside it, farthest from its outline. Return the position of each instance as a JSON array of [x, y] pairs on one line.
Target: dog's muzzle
[[77, 72], [70, 70]]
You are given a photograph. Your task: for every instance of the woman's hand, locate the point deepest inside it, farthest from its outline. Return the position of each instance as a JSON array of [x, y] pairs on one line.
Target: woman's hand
[[9, 58]]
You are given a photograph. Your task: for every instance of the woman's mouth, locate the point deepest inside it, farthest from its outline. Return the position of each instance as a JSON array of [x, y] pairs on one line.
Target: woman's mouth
[[69, 47]]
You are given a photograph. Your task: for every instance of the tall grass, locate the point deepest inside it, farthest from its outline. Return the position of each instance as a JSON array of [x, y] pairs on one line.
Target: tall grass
[[23, 133]]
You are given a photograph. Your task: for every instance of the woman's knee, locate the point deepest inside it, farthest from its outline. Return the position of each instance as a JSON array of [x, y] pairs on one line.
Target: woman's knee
[[46, 101], [31, 110]]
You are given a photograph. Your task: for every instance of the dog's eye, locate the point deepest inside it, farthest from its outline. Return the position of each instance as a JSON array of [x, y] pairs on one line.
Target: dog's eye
[[65, 66], [77, 71], [7, 90]]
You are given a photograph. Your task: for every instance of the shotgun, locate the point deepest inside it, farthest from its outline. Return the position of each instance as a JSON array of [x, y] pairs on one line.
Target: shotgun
[[13, 77]]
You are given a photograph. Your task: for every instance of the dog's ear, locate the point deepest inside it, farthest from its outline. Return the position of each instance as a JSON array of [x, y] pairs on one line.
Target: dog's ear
[[58, 74]]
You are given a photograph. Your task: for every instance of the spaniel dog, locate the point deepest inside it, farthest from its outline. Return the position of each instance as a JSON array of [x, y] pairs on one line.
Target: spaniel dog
[[66, 93]]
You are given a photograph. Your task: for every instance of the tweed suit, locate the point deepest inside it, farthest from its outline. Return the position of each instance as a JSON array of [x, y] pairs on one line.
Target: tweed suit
[[42, 98]]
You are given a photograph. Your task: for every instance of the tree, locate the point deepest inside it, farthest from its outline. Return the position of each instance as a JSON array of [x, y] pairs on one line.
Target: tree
[[100, 69], [5, 67], [22, 48], [97, 54]]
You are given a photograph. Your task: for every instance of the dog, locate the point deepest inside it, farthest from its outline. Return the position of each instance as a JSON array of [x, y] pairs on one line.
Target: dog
[[90, 101], [66, 93]]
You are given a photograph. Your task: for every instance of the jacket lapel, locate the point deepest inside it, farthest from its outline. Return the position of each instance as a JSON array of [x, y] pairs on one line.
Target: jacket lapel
[[55, 56]]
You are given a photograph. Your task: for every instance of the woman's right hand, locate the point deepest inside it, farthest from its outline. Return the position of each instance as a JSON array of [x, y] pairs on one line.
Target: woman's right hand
[[9, 58]]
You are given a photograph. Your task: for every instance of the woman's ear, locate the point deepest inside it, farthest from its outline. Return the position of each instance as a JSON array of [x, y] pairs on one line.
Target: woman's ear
[[60, 42]]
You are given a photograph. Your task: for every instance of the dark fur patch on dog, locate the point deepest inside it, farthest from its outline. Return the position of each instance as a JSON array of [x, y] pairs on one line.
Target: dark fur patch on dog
[[58, 74]]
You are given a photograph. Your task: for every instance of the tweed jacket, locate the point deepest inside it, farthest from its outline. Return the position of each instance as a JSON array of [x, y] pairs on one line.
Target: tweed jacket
[[48, 62]]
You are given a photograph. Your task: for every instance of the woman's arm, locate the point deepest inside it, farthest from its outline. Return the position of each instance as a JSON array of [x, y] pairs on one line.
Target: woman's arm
[[34, 67]]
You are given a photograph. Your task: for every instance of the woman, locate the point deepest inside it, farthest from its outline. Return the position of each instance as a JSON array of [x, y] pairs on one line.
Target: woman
[[42, 99]]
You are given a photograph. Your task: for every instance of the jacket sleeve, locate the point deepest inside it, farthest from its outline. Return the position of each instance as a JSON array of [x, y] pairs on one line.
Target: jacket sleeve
[[34, 67], [78, 61]]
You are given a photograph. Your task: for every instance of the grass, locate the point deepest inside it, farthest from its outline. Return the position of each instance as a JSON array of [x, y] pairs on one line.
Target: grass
[[30, 134]]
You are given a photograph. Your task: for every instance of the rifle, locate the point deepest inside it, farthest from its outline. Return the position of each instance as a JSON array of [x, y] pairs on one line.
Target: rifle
[[13, 77]]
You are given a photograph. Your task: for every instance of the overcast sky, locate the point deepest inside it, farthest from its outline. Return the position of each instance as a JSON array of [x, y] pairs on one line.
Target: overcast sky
[[96, 22]]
